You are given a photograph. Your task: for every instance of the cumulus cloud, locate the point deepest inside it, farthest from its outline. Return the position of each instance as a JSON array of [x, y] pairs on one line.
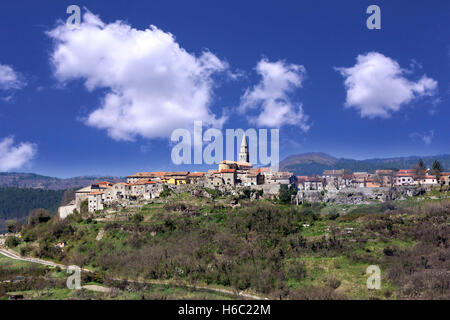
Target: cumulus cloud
[[10, 79], [271, 96], [152, 84], [15, 156], [426, 138], [377, 86]]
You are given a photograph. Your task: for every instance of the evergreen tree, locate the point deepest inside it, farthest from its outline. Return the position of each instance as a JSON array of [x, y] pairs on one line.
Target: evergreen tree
[[420, 165], [437, 169], [419, 169]]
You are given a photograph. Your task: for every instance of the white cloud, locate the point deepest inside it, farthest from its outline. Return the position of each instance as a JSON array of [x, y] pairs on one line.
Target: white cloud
[[153, 85], [271, 95], [376, 86], [10, 79], [14, 157], [426, 138]]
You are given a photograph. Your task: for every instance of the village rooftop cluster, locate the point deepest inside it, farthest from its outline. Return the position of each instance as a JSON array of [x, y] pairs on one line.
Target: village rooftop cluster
[[241, 174]]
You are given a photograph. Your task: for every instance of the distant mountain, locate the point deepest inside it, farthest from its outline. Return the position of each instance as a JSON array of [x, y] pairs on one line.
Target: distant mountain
[[310, 158], [32, 180], [316, 162]]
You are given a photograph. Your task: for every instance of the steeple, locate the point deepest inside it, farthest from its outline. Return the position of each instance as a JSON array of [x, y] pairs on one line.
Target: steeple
[[243, 153]]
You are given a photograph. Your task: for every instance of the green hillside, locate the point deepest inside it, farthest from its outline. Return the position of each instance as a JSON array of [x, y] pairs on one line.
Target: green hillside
[[16, 203], [262, 247]]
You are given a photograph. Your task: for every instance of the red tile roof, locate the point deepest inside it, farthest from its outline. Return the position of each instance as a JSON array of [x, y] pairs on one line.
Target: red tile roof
[[142, 181], [404, 171], [227, 170], [196, 174], [104, 182], [95, 193]]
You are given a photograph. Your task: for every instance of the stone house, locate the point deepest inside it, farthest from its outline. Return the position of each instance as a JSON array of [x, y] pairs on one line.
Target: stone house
[[280, 177], [213, 179], [404, 179], [220, 178], [372, 183], [360, 178], [175, 178], [335, 173], [445, 179], [118, 191], [346, 181], [102, 185], [331, 183], [238, 165], [314, 183], [66, 210], [301, 182], [152, 190], [241, 176], [81, 195], [144, 175], [95, 201], [254, 178], [138, 189], [428, 179], [228, 176], [407, 171], [197, 178], [385, 177]]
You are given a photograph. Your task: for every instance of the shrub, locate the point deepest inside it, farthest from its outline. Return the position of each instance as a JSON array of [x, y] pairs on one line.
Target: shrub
[[13, 225], [388, 251], [12, 242], [285, 193], [333, 216], [296, 270], [316, 293], [25, 250], [333, 283], [29, 236], [137, 218], [165, 192], [84, 207], [38, 216]]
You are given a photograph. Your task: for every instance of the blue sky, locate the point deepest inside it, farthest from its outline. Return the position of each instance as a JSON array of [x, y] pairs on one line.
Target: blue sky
[[364, 93]]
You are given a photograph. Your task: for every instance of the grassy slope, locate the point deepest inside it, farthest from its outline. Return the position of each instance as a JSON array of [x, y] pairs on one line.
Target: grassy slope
[[375, 228], [18, 268]]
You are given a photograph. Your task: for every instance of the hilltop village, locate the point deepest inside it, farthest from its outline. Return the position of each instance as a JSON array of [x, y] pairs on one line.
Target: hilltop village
[[234, 176]]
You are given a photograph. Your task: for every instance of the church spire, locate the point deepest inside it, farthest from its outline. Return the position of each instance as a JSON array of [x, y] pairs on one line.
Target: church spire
[[244, 141], [243, 154]]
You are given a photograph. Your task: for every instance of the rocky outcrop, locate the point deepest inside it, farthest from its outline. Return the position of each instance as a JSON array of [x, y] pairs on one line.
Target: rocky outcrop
[[359, 195], [401, 193]]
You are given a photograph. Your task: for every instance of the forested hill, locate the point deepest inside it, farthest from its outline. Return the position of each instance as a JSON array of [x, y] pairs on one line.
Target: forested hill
[[32, 180], [16, 203], [317, 162]]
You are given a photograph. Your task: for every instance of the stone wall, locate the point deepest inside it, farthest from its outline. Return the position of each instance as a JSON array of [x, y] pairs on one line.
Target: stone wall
[[64, 211], [359, 195]]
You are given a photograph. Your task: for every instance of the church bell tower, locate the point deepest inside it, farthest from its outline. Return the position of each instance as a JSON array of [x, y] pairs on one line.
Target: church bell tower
[[243, 153]]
